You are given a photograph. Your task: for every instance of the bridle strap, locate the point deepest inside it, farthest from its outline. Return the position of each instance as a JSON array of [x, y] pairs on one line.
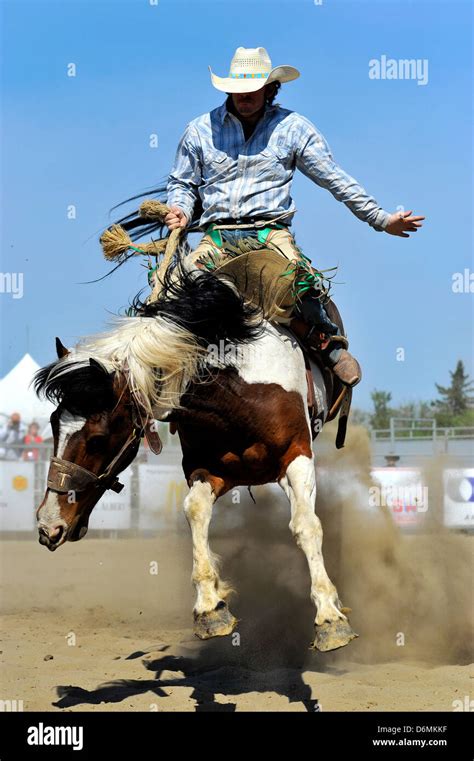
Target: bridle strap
[[65, 476], [62, 472]]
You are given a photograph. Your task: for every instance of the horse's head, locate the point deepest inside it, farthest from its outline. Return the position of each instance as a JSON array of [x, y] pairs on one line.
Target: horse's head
[[96, 429]]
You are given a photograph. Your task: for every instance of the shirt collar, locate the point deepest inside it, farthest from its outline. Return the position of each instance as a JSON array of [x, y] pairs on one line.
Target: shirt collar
[[223, 112]]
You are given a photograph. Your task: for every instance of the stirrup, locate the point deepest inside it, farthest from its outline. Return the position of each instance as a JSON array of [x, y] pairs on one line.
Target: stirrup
[[323, 340], [342, 340]]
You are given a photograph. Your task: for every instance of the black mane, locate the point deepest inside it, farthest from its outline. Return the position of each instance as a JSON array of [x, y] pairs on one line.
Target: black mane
[[205, 305], [211, 309], [138, 227], [82, 389]]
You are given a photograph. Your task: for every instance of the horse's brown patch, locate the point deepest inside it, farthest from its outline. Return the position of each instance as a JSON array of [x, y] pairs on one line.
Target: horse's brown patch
[[236, 433]]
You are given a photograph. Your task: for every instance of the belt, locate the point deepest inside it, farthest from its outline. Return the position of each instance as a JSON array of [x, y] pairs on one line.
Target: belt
[[244, 222]]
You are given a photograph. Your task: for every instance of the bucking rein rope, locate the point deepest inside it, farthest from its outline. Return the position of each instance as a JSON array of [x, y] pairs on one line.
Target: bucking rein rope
[[116, 243]]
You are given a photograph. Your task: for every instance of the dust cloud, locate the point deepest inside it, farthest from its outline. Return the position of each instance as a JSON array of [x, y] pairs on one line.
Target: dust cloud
[[410, 594]]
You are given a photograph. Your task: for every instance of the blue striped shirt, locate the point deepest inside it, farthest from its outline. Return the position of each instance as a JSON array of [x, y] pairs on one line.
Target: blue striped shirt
[[236, 178]]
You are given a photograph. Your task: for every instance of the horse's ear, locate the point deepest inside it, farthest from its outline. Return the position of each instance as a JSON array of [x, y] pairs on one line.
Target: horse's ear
[[61, 350], [96, 365]]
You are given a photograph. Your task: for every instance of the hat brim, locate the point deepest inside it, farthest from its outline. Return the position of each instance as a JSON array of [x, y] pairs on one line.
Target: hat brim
[[252, 84]]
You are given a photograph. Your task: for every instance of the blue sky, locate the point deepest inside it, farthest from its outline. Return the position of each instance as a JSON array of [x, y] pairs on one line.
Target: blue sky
[[143, 69]]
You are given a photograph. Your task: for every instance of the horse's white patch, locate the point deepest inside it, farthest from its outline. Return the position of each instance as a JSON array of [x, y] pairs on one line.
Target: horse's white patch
[[68, 424], [276, 357], [273, 358], [50, 513]]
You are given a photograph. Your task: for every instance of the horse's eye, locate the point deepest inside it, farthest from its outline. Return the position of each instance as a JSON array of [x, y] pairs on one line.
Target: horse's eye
[[96, 444], [117, 424]]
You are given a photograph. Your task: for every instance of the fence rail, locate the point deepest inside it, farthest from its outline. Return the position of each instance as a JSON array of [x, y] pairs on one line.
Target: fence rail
[[402, 429]]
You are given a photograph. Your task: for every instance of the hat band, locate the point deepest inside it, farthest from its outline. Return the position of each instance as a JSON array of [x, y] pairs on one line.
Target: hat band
[[263, 75]]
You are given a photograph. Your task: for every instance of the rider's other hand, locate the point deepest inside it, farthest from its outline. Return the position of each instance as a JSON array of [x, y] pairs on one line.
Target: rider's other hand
[[175, 218], [401, 223]]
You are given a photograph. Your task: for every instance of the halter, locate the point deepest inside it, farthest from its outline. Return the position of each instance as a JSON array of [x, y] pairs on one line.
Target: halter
[[65, 476]]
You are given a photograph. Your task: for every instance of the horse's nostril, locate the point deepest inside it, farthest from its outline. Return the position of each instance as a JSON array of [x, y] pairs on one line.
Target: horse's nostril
[[50, 535], [56, 534], [43, 537]]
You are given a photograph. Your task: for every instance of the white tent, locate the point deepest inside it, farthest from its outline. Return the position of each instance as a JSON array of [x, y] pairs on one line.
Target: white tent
[[16, 394]]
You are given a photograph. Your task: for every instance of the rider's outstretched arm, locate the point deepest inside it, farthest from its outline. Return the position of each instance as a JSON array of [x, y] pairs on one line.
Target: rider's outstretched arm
[[314, 159]]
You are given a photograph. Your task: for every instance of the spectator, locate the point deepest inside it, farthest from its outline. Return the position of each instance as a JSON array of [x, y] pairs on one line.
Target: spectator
[[32, 437], [11, 436]]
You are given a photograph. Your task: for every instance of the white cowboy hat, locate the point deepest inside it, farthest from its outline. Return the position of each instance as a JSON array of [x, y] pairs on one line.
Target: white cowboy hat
[[250, 70]]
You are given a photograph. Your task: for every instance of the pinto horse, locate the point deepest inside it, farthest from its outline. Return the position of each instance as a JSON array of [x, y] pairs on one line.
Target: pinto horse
[[241, 416]]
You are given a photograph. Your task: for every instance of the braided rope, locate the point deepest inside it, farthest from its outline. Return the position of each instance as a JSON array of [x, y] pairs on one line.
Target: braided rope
[[116, 243], [155, 210]]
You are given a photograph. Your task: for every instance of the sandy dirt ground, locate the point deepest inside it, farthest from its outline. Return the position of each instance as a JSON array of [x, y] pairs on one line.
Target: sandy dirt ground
[[89, 628]]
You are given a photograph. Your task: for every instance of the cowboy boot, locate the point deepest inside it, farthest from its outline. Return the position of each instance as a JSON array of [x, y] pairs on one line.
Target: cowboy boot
[[324, 338], [342, 363]]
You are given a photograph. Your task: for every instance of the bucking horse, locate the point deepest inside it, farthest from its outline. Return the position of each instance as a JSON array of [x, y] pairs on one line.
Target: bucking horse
[[240, 410]]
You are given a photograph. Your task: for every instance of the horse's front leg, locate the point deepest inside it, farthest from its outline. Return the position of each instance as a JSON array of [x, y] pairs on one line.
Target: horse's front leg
[[332, 628], [212, 617]]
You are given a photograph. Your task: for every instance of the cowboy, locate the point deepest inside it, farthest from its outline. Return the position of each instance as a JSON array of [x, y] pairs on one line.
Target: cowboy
[[238, 162]]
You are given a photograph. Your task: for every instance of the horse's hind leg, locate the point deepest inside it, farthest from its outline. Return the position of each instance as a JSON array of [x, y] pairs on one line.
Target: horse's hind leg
[[332, 628], [212, 618]]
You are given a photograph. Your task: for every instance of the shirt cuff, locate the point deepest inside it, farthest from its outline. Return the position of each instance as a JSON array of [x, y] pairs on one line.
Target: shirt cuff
[[183, 203], [381, 220]]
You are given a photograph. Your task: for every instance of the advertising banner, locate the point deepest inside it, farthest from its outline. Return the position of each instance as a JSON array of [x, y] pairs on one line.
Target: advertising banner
[[17, 499], [459, 498], [162, 490], [403, 492], [113, 511]]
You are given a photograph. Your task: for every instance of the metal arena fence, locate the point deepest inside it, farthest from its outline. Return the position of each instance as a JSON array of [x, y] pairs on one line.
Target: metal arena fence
[[155, 487]]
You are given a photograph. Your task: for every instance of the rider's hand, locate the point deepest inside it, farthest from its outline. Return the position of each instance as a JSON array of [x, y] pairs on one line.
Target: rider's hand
[[175, 218], [401, 223]]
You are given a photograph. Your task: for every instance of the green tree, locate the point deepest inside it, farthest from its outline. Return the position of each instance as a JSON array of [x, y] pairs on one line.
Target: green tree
[[406, 410], [425, 410], [380, 418], [455, 398], [360, 417]]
